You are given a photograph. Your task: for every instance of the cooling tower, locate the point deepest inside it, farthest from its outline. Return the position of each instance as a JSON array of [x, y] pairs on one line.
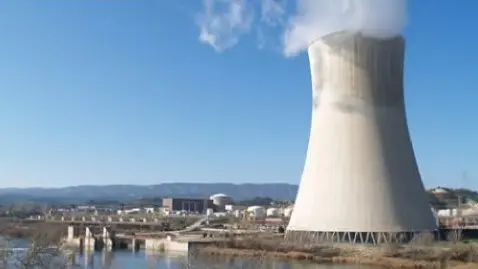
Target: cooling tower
[[360, 181]]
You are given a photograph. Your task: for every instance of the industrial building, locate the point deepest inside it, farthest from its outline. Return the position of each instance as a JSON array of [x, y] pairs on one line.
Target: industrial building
[[187, 205], [360, 182]]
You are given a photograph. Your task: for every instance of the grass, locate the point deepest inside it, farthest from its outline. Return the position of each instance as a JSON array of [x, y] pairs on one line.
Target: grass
[[18, 229], [414, 255]]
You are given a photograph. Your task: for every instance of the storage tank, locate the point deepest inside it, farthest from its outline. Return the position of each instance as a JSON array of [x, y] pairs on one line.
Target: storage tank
[[220, 200], [272, 212], [256, 211]]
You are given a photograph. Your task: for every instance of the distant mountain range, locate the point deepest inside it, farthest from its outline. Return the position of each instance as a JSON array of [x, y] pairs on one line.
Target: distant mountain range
[[126, 193], [73, 194]]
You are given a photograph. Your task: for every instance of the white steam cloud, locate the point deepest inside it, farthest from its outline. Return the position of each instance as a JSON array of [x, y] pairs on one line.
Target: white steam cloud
[[222, 22], [316, 18], [312, 19], [272, 12]]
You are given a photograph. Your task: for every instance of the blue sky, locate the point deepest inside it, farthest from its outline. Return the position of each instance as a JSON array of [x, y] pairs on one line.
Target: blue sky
[[123, 92]]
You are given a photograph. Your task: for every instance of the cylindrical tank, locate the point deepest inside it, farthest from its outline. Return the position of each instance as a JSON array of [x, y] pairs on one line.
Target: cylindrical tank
[[272, 212], [257, 211], [220, 200]]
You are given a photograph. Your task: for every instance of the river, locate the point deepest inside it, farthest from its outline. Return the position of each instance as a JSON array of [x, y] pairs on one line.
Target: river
[[139, 260], [127, 259]]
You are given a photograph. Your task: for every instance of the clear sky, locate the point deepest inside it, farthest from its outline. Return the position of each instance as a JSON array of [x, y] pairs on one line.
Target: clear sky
[[123, 92]]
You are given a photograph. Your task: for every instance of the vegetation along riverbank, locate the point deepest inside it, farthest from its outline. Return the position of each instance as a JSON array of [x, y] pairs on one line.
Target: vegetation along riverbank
[[422, 253], [13, 228]]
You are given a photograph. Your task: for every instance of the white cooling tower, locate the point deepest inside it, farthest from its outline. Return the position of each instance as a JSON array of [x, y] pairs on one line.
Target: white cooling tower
[[360, 181]]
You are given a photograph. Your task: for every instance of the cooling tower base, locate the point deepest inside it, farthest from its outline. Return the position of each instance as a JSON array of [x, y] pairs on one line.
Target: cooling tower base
[[314, 238]]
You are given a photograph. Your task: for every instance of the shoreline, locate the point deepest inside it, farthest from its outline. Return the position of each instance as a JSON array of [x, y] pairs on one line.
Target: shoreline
[[391, 262]]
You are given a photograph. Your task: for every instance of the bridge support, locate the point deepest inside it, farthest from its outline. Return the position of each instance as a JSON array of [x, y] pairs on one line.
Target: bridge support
[[70, 239], [71, 233], [89, 240], [135, 244], [108, 238]]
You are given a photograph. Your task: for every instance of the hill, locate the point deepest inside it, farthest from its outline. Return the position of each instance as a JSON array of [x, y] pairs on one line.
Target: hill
[[239, 192], [73, 194]]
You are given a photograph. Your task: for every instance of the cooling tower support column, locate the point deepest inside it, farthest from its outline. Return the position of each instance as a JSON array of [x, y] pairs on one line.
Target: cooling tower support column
[[360, 181]]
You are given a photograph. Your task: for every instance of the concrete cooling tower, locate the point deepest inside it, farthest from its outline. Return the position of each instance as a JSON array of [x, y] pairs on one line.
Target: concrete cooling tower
[[360, 182]]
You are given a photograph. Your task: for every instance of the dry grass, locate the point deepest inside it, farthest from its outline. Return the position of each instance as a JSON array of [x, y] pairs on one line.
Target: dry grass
[[422, 252], [19, 229], [466, 266]]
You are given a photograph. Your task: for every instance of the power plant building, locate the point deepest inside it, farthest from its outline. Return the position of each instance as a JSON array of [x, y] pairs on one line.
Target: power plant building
[[187, 204], [360, 181]]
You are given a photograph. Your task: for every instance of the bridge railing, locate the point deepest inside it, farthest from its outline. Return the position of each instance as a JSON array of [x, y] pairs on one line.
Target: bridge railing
[[110, 219]]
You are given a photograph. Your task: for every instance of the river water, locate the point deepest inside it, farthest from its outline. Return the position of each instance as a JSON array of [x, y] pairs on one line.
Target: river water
[[127, 259], [139, 260]]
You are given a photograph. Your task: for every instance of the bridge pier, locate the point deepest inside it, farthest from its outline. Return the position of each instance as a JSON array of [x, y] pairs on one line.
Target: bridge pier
[[108, 239], [89, 257], [135, 244], [89, 240], [71, 240], [107, 258], [71, 233]]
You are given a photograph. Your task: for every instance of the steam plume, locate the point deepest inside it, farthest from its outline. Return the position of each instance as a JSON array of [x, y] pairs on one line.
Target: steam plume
[[222, 22], [311, 20], [316, 18]]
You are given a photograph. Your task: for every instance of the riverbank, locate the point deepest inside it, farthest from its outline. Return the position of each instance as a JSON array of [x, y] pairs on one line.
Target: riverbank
[[11, 228], [434, 256]]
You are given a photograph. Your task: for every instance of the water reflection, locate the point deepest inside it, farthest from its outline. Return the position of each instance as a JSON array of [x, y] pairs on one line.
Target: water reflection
[[140, 260], [107, 258], [89, 259]]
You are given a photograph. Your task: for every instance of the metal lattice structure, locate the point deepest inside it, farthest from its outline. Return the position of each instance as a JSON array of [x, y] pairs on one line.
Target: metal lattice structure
[[312, 238]]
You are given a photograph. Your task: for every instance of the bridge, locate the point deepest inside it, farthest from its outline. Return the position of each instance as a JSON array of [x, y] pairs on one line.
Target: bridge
[[102, 222], [108, 238], [157, 222]]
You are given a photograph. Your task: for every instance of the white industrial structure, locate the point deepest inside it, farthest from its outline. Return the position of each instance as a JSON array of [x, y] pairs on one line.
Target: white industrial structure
[[256, 211], [360, 181], [220, 200], [272, 212]]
